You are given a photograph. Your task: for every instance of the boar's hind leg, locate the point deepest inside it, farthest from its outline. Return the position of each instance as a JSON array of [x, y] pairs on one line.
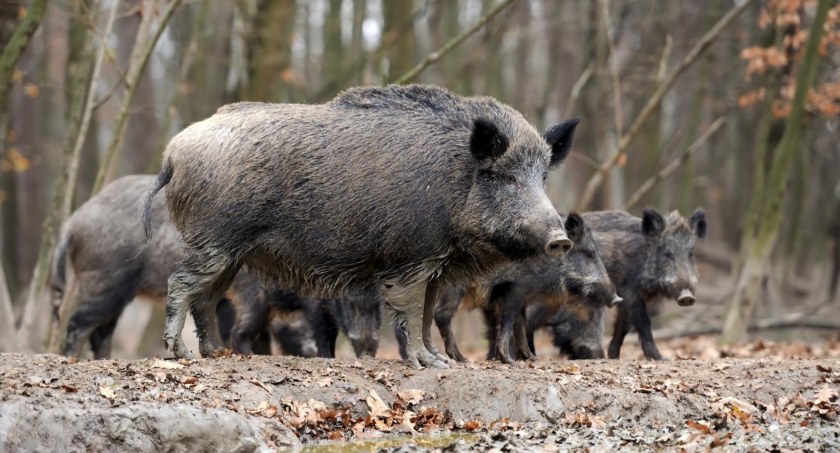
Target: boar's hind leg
[[523, 347], [408, 304], [621, 329], [94, 312], [399, 334], [100, 340], [198, 283], [444, 325]]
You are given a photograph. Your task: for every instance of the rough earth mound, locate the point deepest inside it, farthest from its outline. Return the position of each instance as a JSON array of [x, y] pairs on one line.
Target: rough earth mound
[[51, 403]]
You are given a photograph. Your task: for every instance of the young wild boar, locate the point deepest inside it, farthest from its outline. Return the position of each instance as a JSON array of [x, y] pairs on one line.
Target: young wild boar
[[399, 189], [261, 315], [648, 259], [577, 282], [358, 316], [577, 328], [103, 240]]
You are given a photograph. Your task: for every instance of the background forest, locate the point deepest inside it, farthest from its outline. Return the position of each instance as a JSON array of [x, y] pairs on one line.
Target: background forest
[[729, 105]]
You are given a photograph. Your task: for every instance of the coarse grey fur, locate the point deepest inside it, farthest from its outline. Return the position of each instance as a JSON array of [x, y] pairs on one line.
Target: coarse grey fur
[[103, 240], [649, 259], [577, 328], [578, 282], [402, 189]]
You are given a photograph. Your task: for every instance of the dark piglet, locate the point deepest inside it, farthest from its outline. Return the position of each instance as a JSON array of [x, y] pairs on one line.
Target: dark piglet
[[261, 316], [358, 316], [577, 329], [650, 259], [398, 189]]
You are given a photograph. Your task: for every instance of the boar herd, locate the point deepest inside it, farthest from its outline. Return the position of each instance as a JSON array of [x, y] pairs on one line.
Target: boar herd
[[290, 223]]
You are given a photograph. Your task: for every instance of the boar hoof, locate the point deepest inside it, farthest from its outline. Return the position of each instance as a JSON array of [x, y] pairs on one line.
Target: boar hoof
[[178, 348], [425, 359]]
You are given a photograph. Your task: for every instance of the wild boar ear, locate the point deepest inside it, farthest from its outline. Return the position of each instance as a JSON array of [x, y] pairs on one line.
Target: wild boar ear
[[698, 222], [560, 137], [653, 224], [574, 227], [486, 140]]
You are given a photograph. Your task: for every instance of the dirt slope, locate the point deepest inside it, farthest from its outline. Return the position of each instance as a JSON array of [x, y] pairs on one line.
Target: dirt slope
[[243, 404]]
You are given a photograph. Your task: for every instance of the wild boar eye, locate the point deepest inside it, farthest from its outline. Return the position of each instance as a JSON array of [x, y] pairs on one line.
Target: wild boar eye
[[510, 180], [668, 255]]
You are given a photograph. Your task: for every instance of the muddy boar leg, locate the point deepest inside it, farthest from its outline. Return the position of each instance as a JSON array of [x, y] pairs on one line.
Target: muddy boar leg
[[444, 325], [101, 338], [201, 277], [641, 321], [434, 292], [399, 334], [521, 338], [408, 303], [509, 312], [94, 311], [621, 329], [491, 321]]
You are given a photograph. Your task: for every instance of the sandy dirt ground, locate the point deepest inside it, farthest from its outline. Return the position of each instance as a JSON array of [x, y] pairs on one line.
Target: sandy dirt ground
[[773, 396]]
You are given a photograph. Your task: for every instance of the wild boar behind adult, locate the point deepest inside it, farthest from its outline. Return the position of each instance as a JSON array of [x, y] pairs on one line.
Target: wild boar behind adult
[[397, 188]]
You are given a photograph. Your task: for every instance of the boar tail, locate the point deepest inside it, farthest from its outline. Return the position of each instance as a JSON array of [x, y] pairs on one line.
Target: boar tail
[[59, 279], [146, 208]]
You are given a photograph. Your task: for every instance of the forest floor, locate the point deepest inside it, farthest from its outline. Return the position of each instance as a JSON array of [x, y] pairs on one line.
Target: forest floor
[[773, 396]]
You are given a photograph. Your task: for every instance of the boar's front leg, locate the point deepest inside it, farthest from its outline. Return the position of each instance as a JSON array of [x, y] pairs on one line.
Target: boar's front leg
[[197, 284], [408, 303]]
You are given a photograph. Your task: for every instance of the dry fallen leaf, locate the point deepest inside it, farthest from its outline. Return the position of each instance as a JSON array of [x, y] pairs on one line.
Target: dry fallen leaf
[[472, 425], [69, 388], [326, 382], [412, 396], [378, 408], [166, 365], [824, 369], [107, 392], [703, 427]]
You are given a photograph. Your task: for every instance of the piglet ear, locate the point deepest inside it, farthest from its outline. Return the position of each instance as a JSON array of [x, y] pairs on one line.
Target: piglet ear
[[486, 141], [698, 222], [574, 227], [653, 224], [560, 137]]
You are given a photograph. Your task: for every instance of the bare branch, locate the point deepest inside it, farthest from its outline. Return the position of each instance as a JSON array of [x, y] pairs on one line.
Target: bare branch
[[433, 57], [693, 55], [577, 88], [675, 164]]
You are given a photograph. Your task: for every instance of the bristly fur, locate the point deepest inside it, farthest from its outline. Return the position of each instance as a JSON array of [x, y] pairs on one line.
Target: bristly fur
[[242, 180], [649, 259]]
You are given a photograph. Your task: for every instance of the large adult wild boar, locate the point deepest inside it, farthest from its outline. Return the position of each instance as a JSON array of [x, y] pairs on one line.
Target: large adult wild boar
[[400, 189]]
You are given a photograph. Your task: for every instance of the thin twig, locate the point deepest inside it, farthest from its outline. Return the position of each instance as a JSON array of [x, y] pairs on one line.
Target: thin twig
[[693, 55], [577, 87], [675, 164], [452, 44]]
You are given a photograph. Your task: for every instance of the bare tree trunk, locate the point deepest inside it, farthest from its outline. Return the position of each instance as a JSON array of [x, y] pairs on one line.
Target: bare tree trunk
[[760, 240], [357, 51], [79, 84], [333, 62], [143, 130], [144, 46], [8, 339], [398, 37], [269, 50]]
